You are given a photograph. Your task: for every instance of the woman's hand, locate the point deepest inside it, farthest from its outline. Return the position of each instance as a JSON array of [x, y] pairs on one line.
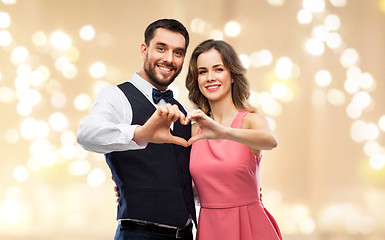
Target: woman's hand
[[116, 190], [209, 129]]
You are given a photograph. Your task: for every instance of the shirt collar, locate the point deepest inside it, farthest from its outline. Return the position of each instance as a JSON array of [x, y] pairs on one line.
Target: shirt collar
[[144, 86]]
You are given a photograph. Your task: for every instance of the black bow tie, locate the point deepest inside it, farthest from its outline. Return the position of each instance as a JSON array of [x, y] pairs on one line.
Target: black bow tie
[[157, 95]]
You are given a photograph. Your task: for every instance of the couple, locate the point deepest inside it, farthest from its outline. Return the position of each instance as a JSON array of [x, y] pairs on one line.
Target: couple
[[146, 136]]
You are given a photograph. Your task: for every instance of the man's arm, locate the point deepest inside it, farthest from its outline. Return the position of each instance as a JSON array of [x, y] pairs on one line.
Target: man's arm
[[108, 126]]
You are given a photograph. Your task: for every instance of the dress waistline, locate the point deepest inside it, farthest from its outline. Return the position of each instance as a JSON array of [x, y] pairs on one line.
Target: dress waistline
[[230, 205]]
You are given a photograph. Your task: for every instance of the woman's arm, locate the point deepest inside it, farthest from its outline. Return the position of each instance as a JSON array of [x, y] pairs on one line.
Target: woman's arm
[[255, 132]]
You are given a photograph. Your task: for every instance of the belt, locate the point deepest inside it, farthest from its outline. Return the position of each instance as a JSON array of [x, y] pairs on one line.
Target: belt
[[156, 229]]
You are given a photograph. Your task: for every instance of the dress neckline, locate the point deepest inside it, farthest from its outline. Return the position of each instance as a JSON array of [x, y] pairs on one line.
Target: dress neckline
[[240, 112]]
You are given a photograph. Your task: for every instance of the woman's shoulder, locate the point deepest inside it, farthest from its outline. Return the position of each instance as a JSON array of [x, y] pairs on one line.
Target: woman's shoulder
[[253, 120]]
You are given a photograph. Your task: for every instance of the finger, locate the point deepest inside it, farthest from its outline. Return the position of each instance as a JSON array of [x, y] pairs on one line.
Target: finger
[[177, 114], [116, 189], [189, 115], [196, 115], [179, 141], [187, 120], [171, 112], [192, 112], [163, 111], [180, 115]]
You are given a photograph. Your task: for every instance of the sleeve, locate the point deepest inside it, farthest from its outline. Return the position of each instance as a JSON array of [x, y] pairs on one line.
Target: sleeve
[[108, 126]]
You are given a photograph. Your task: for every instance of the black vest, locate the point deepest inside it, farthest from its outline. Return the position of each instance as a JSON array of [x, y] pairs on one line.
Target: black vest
[[154, 183]]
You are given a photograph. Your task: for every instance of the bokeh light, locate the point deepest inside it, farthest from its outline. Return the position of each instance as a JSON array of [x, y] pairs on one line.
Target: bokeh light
[[232, 29], [336, 97], [198, 25], [334, 41], [5, 20], [339, 3], [311, 66], [216, 34], [284, 67], [261, 58], [323, 78], [82, 102], [381, 123], [58, 121], [245, 60], [276, 2], [314, 5], [349, 57], [5, 38], [87, 33], [19, 55], [332, 22], [314, 47], [304, 16], [20, 173], [96, 177], [60, 40], [377, 161], [39, 38], [98, 70]]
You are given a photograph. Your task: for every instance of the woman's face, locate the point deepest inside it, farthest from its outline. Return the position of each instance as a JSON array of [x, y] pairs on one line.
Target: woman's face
[[214, 79]]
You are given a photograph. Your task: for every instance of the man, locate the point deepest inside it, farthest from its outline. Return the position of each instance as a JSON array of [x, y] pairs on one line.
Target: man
[[150, 168]]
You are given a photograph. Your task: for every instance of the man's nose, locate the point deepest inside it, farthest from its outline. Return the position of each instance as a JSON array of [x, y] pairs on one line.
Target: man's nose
[[168, 57]]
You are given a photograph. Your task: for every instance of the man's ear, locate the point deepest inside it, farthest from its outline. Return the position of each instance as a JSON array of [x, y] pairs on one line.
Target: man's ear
[[143, 50]]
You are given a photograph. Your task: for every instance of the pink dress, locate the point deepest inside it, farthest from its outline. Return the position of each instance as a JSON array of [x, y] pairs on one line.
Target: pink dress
[[226, 175]]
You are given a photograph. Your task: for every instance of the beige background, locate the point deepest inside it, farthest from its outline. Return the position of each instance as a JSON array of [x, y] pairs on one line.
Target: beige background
[[318, 183]]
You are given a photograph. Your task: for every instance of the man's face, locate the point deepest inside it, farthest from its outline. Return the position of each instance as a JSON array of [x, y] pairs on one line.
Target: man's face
[[163, 58]]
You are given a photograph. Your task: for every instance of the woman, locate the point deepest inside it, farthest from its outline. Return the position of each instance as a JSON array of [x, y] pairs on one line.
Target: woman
[[225, 162]]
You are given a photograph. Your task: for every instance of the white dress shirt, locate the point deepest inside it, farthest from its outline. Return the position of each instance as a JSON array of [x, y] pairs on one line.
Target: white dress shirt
[[108, 126]]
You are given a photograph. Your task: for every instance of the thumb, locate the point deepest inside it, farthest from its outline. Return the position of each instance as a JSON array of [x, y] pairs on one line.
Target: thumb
[[179, 141], [194, 139]]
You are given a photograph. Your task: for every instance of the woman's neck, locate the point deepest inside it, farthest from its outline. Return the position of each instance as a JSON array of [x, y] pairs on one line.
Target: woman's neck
[[223, 112]]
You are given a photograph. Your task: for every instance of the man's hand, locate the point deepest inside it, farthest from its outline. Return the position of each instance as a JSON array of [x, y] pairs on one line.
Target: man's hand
[[157, 127]]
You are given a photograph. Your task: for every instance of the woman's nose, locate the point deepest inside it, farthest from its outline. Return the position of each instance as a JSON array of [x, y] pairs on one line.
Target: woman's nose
[[210, 76]]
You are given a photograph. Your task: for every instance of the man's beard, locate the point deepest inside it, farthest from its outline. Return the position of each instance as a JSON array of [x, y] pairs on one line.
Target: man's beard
[[150, 71]]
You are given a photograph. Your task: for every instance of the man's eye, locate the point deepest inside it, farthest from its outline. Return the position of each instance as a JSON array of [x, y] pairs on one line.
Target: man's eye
[[161, 49]]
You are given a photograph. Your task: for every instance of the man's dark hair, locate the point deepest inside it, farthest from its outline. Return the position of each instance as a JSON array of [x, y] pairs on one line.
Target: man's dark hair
[[169, 24]]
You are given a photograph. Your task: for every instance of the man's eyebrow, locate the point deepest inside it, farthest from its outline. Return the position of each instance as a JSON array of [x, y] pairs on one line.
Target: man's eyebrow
[[164, 44], [161, 43]]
